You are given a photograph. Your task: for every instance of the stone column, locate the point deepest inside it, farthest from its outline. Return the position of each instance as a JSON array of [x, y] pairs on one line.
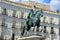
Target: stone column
[[14, 23], [14, 13], [22, 13], [44, 19], [51, 20]]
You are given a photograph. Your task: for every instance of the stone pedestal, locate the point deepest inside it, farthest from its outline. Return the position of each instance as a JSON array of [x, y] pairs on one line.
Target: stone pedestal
[[32, 38], [44, 19]]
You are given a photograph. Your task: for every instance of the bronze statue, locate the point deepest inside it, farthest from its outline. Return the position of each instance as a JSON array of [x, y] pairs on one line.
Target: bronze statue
[[33, 20]]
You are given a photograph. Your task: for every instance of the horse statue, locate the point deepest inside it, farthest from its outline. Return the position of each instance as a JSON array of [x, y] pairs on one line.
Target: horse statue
[[33, 19]]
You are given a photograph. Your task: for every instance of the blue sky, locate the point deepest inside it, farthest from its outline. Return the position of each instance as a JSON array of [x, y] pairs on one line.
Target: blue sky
[[47, 1], [55, 5]]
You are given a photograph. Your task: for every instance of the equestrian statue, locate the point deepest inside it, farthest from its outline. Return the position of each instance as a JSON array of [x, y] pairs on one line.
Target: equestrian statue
[[33, 20]]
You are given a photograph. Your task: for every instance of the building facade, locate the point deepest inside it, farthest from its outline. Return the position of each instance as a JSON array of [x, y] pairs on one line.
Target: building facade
[[14, 27]]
